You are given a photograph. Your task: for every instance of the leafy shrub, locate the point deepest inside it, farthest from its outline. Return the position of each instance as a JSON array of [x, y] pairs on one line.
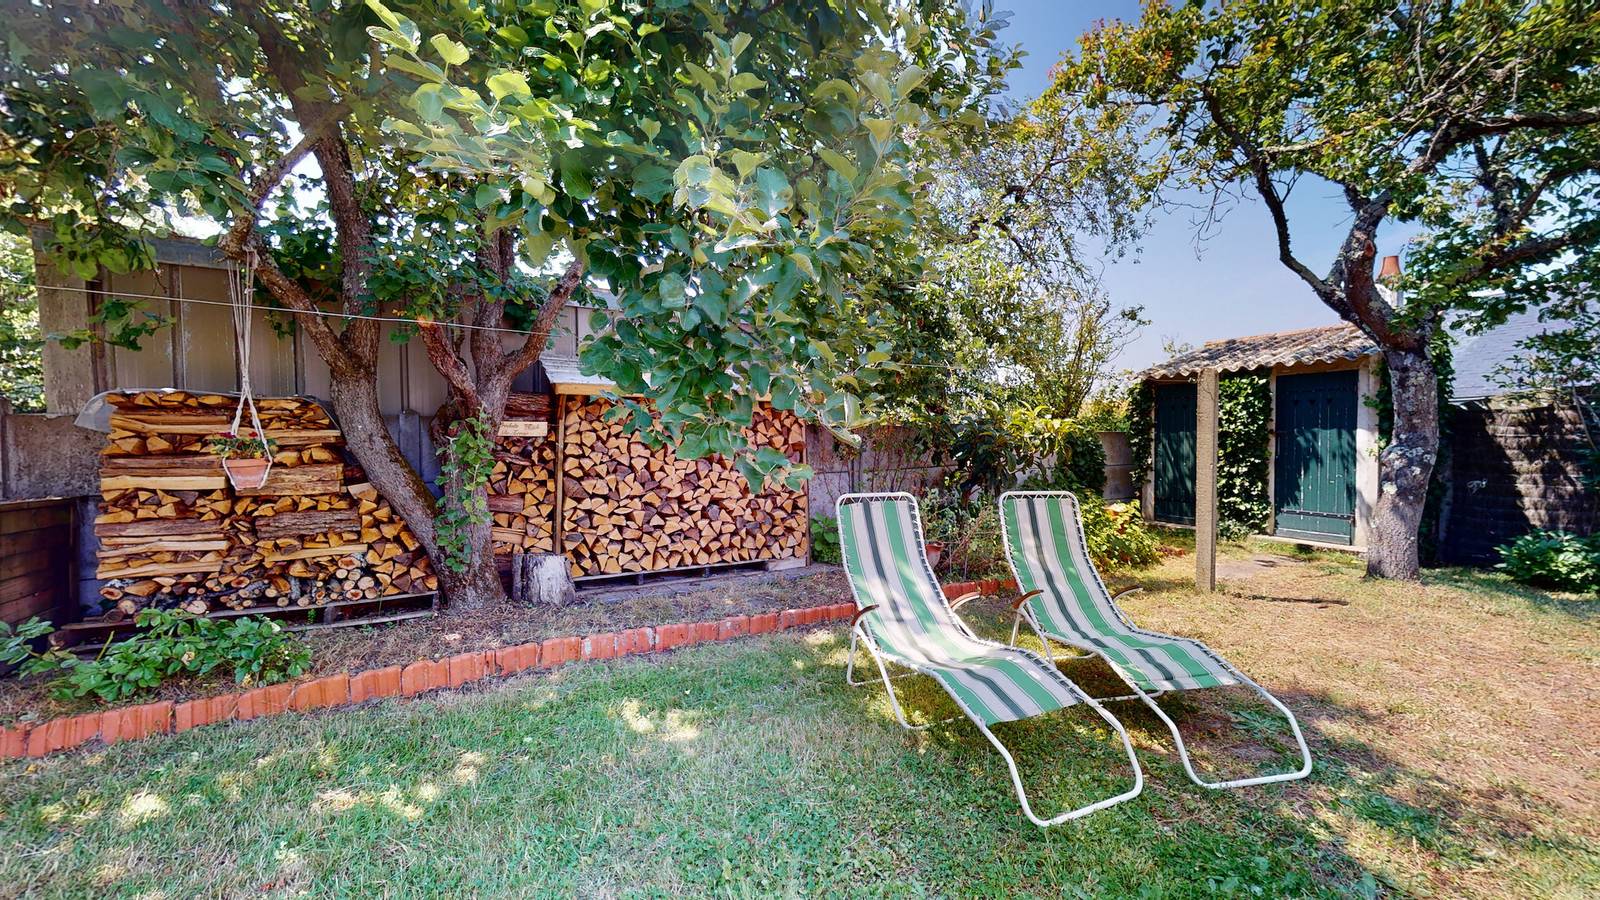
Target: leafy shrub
[[975, 548], [172, 644], [1117, 536], [998, 446], [825, 540], [1554, 559], [970, 532]]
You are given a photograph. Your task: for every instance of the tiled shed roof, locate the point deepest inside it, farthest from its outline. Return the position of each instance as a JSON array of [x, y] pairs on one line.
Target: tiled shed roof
[[1281, 348]]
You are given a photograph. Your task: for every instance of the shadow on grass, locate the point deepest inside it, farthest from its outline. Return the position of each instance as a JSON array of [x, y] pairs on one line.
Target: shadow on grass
[[1498, 586], [731, 769]]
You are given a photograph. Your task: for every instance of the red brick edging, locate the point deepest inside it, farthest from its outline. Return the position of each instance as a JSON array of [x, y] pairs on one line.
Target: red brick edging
[[344, 688]]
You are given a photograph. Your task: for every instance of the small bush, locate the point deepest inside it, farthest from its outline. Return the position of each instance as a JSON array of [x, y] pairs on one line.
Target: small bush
[[970, 532], [825, 540], [1117, 536], [1553, 559], [171, 644]]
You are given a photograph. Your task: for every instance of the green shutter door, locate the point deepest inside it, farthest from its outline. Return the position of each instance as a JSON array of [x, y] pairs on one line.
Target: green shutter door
[[1174, 453], [1314, 486]]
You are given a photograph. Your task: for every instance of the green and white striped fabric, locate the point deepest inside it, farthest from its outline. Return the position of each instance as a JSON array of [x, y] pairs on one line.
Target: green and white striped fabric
[[881, 543], [1044, 538]]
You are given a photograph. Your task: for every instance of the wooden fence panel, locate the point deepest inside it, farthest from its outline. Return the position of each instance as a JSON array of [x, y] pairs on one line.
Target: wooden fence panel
[[36, 549]]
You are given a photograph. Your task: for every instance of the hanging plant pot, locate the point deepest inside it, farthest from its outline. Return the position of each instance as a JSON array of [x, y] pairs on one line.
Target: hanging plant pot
[[246, 474], [934, 549]]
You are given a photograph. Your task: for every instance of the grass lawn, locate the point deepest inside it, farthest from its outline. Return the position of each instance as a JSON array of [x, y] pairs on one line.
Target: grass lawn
[[1453, 725]]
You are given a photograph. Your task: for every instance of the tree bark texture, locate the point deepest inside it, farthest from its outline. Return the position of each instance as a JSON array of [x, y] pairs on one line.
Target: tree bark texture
[[1405, 466]]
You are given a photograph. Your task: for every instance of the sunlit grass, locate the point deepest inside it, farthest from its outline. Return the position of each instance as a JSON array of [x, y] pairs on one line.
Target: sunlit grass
[[749, 768]]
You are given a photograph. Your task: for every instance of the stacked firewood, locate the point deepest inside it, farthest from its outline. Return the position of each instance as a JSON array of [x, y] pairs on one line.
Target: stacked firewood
[[522, 488], [629, 508], [522, 495], [173, 531]]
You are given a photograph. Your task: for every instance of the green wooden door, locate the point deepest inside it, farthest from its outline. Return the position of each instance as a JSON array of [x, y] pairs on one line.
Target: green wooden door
[[1174, 453], [1314, 476]]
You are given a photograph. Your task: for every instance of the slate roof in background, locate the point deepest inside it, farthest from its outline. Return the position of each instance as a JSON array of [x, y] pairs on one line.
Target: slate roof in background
[[1327, 343], [1477, 357]]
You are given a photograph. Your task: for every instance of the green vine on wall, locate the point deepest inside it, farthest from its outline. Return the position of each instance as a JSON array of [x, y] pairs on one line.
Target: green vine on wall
[[1244, 432], [1244, 420], [465, 462], [1141, 427]]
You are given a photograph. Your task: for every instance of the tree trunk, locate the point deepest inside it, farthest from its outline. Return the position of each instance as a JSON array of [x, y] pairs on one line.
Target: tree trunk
[[355, 400], [479, 587], [1405, 466]]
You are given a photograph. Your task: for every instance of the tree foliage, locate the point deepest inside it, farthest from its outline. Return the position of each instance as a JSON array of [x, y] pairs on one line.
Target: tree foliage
[[737, 173], [21, 365], [1478, 122]]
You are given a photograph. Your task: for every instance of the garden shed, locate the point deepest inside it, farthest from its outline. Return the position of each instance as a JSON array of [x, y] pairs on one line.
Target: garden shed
[[1298, 434]]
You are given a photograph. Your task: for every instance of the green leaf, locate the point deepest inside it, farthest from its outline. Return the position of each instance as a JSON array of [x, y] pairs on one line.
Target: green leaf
[[385, 15], [451, 52], [428, 102], [773, 193], [509, 84], [515, 35], [671, 291], [652, 182], [881, 129], [745, 161], [908, 79], [575, 175], [837, 162], [744, 82]]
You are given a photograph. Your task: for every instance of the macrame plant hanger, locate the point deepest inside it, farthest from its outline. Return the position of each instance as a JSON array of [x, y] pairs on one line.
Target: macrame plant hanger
[[241, 290]]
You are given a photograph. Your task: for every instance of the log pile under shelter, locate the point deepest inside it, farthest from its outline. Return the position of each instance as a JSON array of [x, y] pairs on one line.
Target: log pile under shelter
[[522, 488], [173, 531], [626, 507]]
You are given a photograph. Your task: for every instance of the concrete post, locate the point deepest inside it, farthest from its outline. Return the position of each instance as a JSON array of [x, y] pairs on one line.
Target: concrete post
[[1205, 483]]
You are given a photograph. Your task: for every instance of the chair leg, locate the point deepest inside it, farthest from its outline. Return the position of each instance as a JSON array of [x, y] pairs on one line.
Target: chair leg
[[1016, 624], [850, 664], [1022, 794], [1183, 750], [888, 684]]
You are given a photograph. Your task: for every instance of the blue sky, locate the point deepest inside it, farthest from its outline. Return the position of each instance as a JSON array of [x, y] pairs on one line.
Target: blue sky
[[1231, 285]]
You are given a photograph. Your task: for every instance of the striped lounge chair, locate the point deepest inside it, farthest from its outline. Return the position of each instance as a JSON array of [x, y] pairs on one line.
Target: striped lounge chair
[[903, 618], [1064, 600]]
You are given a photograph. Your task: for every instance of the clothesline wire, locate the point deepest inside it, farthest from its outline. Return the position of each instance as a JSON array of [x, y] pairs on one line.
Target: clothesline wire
[[329, 314]]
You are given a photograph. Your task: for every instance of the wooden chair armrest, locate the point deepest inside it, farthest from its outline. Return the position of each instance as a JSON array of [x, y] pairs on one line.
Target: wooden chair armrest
[[861, 612], [1125, 591], [1017, 603], [970, 595]]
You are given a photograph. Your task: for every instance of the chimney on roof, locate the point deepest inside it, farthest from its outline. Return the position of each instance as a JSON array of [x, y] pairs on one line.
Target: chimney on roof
[[1388, 275]]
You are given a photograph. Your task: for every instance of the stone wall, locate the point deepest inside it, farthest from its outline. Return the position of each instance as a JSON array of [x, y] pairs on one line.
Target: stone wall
[[889, 460], [1514, 468]]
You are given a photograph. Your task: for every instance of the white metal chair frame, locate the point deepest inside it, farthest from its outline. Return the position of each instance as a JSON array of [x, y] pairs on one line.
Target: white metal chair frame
[[1024, 613], [860, 634]]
